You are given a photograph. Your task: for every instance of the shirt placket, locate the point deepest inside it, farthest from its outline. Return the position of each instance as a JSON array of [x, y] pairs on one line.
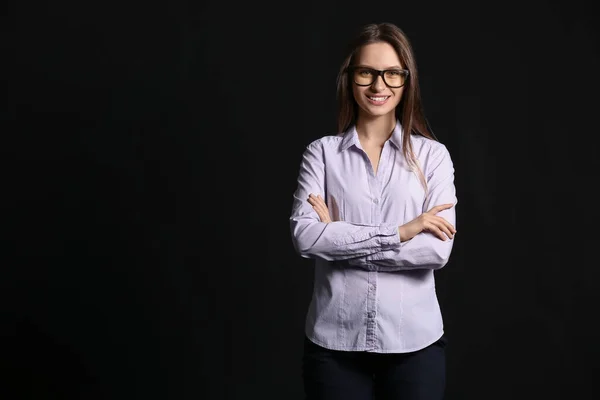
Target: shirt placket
[[375, 185]]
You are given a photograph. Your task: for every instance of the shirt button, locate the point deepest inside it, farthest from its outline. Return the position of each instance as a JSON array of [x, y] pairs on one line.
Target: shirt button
[[376, 201]]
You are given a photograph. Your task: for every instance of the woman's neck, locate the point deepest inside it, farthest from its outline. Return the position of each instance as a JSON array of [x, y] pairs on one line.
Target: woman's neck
[[375, 130]]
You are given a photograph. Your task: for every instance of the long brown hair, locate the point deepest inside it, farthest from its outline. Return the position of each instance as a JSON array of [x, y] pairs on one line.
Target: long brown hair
[[410, 109]]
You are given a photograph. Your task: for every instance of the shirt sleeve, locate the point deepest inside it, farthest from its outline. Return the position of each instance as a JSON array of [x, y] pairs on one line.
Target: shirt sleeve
[[338, 240], [425, 250]]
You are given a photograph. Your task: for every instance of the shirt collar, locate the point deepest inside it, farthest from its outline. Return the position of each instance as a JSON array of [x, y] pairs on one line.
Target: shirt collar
[[351, 137]]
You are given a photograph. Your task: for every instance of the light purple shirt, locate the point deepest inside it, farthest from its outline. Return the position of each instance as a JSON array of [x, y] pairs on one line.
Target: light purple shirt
[[372, 292]]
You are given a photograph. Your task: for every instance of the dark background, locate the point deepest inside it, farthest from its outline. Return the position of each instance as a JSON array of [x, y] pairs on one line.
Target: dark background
[[151, 152]]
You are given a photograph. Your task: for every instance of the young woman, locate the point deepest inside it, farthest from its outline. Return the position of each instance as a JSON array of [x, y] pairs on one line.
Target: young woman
[[375, 208]]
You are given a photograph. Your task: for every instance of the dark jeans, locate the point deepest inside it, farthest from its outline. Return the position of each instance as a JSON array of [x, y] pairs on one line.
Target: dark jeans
[[333, 375]]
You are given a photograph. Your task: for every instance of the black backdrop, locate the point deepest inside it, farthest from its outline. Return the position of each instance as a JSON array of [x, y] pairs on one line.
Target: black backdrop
[[151, 155]]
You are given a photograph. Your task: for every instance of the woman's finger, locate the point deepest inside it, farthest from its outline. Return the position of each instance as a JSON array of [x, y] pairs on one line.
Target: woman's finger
[[432, 228], [446, 223], [319, 205], [323, 216], [437, 232], [321, 211], [313, 201], [318, 202], [442, 227], [438, 208], [320, 214]]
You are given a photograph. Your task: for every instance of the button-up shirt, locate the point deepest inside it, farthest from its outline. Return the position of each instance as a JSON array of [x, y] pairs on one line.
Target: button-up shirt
[[372, 292]]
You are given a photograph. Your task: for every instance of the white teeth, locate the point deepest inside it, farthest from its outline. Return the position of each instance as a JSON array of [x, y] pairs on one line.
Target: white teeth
[[378, 98]]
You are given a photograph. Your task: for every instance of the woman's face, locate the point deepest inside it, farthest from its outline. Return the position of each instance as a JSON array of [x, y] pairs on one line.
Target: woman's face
[[377, 99]]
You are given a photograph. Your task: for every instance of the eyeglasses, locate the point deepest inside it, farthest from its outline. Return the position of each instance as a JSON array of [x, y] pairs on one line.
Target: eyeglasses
[[364, 76]]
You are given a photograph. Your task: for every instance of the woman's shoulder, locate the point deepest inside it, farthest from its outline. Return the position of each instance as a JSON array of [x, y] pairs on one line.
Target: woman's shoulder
[[330, 141], [425, 146]]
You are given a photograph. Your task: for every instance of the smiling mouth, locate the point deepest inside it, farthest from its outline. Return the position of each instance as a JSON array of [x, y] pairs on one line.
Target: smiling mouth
[[378, 98]]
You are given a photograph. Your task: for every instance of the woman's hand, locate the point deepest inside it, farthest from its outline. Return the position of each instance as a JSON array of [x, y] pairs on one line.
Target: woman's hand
[[320, 207], [428, 222]]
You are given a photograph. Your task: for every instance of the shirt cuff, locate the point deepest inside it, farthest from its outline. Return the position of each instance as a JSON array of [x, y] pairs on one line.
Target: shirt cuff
[[390, 236]]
